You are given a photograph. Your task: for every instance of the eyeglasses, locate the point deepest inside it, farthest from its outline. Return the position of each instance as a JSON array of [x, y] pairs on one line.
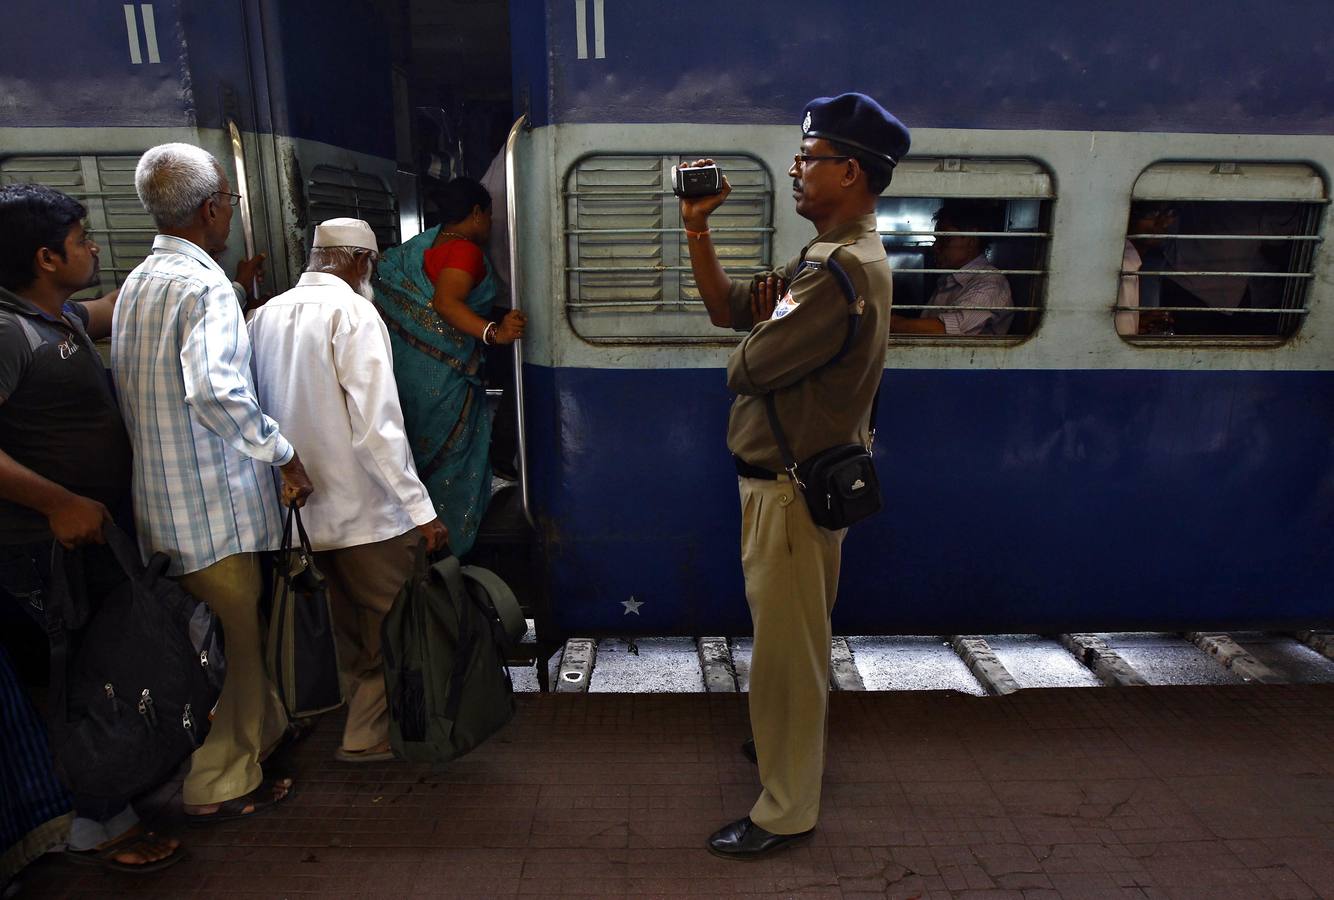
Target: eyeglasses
[[232, 199], [801, 159]]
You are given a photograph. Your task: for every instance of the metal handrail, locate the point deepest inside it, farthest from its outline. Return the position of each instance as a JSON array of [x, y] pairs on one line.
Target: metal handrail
[[247, 224], [511, 213]]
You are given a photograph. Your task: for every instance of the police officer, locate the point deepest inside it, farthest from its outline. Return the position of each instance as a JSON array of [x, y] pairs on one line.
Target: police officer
[[796, 320]]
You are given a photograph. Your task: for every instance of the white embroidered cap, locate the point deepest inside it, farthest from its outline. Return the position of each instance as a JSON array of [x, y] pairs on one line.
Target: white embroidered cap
[[345, 233]]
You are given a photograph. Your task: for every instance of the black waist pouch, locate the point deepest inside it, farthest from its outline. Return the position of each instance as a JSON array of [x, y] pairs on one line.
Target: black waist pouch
[[840, 486]]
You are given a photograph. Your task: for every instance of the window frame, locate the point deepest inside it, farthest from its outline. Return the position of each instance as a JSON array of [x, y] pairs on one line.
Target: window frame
[[947, 168], [1313, 238]]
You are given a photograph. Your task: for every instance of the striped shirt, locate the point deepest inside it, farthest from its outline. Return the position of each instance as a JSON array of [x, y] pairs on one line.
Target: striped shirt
[[977, 284], [203, 449]]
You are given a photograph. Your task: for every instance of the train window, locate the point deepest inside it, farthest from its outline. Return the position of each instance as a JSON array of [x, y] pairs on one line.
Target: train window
[[967, 239], [1219, 251], [105, 185], [626, 254], [333, 192]]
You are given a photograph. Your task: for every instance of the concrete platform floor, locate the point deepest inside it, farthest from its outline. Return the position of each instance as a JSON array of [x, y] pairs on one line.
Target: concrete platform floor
[[1163, 792]]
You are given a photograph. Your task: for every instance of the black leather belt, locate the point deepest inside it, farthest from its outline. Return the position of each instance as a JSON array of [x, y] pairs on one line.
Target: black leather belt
[[746, 470]]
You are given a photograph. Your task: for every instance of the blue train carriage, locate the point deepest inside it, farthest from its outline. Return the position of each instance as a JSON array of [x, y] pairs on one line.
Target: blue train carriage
[[89, 86], [1060, 476]]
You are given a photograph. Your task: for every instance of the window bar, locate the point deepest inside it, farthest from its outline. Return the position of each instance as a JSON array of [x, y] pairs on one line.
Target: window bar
[[1303, 238], [1158, 273], [1197, 309]]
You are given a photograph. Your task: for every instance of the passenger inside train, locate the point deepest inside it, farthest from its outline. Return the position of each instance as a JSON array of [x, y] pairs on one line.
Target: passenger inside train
[[971, 297], [1214, 268]]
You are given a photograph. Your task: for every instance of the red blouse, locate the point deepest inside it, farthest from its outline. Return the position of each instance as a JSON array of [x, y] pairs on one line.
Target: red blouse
[[454, 254]]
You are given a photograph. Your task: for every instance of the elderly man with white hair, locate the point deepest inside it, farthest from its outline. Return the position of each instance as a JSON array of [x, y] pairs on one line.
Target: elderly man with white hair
[[204, 457], [324, 367]]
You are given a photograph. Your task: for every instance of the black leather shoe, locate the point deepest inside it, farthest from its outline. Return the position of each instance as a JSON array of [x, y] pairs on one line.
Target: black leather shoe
[[745, 840], [748, 750]]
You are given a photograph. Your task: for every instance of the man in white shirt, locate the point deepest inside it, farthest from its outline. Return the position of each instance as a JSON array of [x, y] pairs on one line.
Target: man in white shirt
[[973, 296], [324, 368]]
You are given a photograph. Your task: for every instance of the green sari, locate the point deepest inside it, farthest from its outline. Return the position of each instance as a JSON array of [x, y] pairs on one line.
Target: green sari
[[440, 388]]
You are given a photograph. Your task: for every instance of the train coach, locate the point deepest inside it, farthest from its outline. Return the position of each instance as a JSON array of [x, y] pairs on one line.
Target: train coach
[[1067, 474]]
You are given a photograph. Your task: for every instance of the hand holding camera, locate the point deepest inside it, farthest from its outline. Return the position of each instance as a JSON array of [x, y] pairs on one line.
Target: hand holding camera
[[702, 188]]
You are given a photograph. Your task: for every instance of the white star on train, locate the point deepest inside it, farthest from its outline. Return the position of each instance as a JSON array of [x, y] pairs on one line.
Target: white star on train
[[632, 605]]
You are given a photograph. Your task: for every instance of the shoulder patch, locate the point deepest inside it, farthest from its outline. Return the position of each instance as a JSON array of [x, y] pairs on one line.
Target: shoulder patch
[[785, 306]]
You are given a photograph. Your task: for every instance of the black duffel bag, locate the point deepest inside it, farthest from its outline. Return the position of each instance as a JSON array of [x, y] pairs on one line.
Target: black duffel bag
[[135, 674]]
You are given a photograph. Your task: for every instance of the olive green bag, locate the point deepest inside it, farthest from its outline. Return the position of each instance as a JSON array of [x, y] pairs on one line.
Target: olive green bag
[[444, 644]]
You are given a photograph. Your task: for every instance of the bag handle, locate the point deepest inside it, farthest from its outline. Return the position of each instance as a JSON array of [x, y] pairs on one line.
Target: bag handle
[[303, 540], [824, 254], [503, 601]]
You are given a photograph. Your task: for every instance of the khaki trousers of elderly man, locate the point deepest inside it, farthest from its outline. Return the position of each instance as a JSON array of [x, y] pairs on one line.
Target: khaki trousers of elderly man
[[363, 583], [791, 569], [249, 718]]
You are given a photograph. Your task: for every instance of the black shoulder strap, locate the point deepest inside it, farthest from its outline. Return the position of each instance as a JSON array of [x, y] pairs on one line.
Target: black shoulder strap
[[822, 256]]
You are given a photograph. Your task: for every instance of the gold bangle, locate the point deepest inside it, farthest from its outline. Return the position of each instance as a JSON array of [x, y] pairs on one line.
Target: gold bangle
[[487, 331], [695, 234]]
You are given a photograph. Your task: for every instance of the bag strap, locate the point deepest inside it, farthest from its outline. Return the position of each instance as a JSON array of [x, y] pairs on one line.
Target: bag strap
[[450, 573], [58, 602], [821, 255], [503, 601]]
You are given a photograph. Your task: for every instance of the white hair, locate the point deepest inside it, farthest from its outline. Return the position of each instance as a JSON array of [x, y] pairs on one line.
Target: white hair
[[331, 259], [336, 259], [172, 180]]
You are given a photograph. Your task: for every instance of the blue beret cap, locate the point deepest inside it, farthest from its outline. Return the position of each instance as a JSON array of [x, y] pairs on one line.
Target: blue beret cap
[[859, 122]]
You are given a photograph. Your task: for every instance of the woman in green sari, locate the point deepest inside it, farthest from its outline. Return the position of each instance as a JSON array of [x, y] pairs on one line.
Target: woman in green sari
[[435, 294]]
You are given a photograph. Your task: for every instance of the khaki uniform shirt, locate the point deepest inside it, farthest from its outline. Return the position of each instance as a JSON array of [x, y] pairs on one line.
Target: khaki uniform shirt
[[818, 407]]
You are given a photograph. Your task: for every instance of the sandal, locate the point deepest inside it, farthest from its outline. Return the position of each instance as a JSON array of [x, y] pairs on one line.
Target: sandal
[[136, 840], [260, 799], [369, 755]]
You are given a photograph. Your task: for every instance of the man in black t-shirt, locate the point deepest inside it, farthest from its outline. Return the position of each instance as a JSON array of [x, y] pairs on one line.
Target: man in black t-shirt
[[64, 453]]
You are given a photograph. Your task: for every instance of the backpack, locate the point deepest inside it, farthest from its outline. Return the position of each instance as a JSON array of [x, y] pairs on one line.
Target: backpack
[[134, 676], [444, 644]]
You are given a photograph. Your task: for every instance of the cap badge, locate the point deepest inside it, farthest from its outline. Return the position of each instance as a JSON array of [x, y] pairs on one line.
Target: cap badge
[[806, 124]]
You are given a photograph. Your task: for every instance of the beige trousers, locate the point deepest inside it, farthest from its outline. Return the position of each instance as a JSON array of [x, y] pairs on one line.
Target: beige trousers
[[791, 569], [249, 717], [363, 582]]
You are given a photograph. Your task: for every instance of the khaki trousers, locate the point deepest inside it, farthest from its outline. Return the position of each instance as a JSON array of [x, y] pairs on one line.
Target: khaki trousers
[[249, 717], [791, 569], [363, 582]]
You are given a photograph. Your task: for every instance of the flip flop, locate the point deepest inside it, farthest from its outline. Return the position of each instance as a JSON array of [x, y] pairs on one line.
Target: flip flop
[[105, 857], [261, 798]]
